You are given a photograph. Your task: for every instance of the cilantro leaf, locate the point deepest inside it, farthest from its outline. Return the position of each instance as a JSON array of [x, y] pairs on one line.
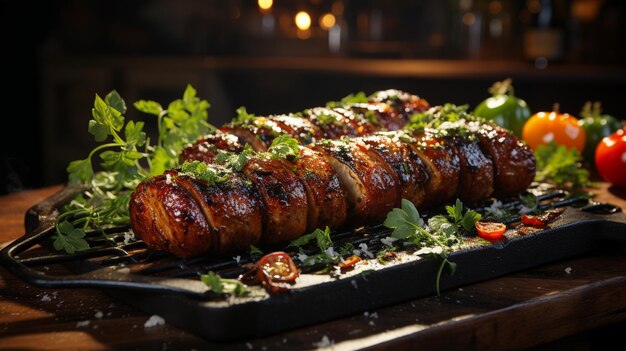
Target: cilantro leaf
[[98, 130], [134, 133], [243, 117], [254, 251], [204, 171], [285, 147], [357, 98]]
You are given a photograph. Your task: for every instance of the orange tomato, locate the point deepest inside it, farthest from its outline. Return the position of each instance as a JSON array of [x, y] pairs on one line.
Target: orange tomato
[[561, 128]]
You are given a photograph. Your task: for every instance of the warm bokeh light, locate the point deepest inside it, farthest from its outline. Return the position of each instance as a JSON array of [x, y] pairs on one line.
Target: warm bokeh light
[[327, 21], [265, 5], [303, 21]]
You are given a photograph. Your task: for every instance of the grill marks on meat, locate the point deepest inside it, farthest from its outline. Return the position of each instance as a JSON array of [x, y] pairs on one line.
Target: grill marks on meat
[[285, 204]]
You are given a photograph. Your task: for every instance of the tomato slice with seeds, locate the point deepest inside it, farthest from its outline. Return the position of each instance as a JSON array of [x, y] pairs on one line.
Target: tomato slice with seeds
[[491, 231], [277, 272]]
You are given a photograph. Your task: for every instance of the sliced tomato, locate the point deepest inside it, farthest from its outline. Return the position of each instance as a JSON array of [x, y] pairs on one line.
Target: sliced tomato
[[277, 272], [491, 231], [533, 221]]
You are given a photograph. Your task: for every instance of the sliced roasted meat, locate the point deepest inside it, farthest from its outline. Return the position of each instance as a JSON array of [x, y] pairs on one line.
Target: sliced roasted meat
[[258, 133], [442, 164], [300, 128], [371, 188], [408, 168], [207, 148], [188, 216], [476, 172], [284, 198], [326, 198], [333, 124], [513, 161]]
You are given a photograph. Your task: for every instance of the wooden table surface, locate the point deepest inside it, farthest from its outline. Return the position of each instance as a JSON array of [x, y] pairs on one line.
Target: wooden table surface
[[546, 304]]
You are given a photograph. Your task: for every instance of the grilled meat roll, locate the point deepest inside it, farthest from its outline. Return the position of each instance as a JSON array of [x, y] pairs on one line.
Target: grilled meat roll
[[333, 183], [383, 110]]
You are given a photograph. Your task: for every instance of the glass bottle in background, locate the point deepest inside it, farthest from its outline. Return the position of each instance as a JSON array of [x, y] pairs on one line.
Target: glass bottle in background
[[544, 37]]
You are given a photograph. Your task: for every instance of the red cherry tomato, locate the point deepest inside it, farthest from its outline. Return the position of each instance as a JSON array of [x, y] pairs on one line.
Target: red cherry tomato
[[277, 271], [611, 158], [491, 231]]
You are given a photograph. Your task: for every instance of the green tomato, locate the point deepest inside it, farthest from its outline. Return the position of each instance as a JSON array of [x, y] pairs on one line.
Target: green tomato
[[504, 109], [597, 126]]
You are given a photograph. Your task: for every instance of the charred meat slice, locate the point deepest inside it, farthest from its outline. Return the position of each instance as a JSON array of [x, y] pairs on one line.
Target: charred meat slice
[[410, 171], [326, 198], [443, 167], [284, 198], [333, 124], [207, 148], [167, 217], [300, 128], [370, 187], [476, 173], [259, 133], [513, 161]]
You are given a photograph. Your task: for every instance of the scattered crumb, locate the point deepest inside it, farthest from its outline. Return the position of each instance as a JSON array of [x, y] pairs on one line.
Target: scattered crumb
[[388, 241], [568, 270], [374, 315], [371, 323], [237, 258], [46, 298], [325, 342], [128, 237], [460, 289], [458, 301], [366, 314], [98, 314], [284, 340], [354, 284], [153, 321], [124, 270], [249, 346], [82, 324]]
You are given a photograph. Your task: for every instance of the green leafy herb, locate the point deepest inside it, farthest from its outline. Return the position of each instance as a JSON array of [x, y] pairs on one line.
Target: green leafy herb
[[465, 220], [224, 286], [560, 165], [243, 117], [444, 120], [357, 98], [255, 251], [285, 147], [235, 161], [321, 237], [122, 164], [69, 238], [326, 255], [438, 237], [201, 170]]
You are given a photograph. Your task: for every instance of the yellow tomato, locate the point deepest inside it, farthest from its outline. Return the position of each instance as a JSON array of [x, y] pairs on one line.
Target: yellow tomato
[[547, 127]]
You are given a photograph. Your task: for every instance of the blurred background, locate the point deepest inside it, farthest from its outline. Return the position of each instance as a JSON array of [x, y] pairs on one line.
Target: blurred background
[[284, 56]]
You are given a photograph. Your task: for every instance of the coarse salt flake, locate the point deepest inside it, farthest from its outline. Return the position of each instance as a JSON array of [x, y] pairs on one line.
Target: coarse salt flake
[[83, 324], [568, 270], [98, 314], [325, 342], [153, 321], [46, 298]]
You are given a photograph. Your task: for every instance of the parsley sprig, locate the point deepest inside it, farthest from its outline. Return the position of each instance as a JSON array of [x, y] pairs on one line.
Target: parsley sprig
[[221, 285], [561, 165], [123, 163], [438, 237]]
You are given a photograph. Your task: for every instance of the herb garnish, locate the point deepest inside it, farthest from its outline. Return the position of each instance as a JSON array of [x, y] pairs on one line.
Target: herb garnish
[[438, 237], [123, 165], [358, 98], [201, 170], [284, 147], [326, 255], [221, 285], [561, 165]]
